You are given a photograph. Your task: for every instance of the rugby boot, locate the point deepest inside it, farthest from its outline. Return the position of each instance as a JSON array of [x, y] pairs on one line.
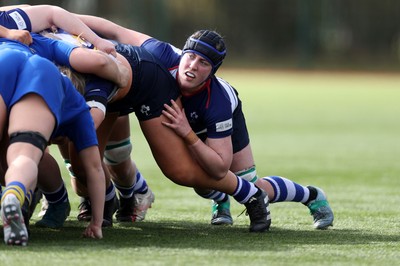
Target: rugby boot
[[320, 210], [15, 231], [110, 207], [55, 215], [258, 210], [85, 210], [221, 214], [142, 204], [125, 212]]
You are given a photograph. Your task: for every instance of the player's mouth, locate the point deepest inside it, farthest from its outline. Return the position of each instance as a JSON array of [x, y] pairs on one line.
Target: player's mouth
[[190, 74]]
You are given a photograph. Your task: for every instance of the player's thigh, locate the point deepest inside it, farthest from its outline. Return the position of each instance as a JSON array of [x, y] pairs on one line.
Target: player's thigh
[[31, 113], [3, 116], [121, 129]]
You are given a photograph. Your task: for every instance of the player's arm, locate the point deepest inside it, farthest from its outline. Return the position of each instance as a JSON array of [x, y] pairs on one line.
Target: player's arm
[[113, 31], [17, 35], [98, 116], [46, 16], [98, 63], [214, 156], [6, 8], [90, 158]]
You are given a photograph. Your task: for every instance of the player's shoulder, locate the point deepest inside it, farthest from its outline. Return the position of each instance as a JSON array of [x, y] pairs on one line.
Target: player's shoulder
[[225, 92]]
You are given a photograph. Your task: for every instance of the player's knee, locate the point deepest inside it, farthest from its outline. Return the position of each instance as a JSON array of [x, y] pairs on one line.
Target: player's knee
[[117, 152], [179, 174], [31, 137], [248, 174], [185, 175]]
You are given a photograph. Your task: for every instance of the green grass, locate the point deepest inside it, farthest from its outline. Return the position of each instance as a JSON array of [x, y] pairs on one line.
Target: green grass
[[338, 131]]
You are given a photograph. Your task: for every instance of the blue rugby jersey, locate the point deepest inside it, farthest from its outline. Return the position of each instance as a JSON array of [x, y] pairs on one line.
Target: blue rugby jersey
[[98, 91], [31, 73], [56, 51], [76, 121]]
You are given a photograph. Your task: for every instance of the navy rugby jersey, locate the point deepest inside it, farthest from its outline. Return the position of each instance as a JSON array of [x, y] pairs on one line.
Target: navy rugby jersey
[[15, 19], [210, 110]]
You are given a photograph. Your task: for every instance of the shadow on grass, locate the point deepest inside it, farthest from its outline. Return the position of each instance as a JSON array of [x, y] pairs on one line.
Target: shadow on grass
[[181, 234]]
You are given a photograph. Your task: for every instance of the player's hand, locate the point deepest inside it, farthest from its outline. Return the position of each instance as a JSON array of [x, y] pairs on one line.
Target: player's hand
[[106, 46], [93, 231], [23, 36], [178, 120]]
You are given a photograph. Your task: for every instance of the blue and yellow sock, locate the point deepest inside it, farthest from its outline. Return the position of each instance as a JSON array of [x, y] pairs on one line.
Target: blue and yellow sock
[[18, 189]]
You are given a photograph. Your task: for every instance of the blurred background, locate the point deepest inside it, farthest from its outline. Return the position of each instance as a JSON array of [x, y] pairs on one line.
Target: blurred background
[[290, 34]]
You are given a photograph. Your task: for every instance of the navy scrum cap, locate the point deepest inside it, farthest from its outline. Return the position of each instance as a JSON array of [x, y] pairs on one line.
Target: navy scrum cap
[[207, 44]]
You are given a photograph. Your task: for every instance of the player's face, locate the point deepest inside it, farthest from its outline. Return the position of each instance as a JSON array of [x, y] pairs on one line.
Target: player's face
[[193, 72]]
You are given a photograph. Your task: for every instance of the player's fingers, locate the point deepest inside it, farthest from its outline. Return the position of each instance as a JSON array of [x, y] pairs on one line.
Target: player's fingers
[[170, 110], [175, 105], [168, 115], [28, 39], [113, 53]]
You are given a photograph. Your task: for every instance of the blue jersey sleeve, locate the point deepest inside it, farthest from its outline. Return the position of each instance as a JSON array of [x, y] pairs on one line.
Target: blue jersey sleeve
[[166, 53], [54, 50]]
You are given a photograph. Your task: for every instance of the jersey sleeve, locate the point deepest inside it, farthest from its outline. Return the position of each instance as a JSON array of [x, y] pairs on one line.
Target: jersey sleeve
[[166, 53], [15, 19], [219, 113], [219, 121], [98, 92], [54, 50]]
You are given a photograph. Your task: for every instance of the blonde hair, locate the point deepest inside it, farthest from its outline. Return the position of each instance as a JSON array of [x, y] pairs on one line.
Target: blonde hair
[[78, 80]]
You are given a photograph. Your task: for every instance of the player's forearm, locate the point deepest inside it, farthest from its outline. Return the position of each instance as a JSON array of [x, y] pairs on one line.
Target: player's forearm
[[6, 8], [98, 116], [102, 26], [113, 31], [96, 190], [3, 31], [46, 16], [213, 163], [70, 23]]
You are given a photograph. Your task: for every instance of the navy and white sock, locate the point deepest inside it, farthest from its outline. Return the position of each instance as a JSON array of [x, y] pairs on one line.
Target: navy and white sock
[[110, 192], [124, 192], [215, 195], [244, 190], [58, 196], [140, 185], [287, 190]]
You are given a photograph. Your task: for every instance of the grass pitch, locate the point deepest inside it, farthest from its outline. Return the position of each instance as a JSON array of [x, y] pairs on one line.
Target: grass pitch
[[338, 131]]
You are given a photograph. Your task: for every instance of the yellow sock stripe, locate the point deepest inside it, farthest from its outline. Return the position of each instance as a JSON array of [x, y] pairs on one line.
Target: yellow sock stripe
[[29, 196], [17, 191]]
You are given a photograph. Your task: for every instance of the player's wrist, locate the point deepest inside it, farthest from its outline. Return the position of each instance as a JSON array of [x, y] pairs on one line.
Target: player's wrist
[[191, 138]]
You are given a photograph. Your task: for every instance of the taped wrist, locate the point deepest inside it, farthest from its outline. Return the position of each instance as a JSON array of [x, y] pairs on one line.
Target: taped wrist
[[191, 138]]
